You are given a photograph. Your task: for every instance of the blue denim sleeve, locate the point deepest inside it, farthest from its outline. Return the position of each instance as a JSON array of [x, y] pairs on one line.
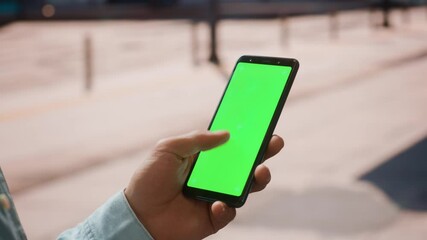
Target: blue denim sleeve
[[113, 220]]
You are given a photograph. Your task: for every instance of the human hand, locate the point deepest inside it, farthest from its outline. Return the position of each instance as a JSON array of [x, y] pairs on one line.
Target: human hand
[[155, 190]]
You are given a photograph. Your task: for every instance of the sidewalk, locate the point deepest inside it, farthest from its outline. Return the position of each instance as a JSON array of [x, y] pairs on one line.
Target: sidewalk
[[357, 101]]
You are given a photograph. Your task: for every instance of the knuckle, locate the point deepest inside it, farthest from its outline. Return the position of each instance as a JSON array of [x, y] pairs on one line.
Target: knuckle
[[163, 143]]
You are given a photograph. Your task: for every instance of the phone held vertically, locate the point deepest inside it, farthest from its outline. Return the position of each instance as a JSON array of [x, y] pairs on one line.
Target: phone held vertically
[[249, 109]]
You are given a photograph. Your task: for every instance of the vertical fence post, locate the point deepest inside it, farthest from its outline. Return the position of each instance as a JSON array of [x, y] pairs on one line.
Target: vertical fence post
[[88, 63], [426, 10], [284, 31], [213, 23], [333, 27], [372, 17], [195, 42], [386, 5], [406, 18]]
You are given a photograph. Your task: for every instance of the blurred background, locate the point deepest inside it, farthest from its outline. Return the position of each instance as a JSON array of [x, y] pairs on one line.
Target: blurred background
[[87, 87]]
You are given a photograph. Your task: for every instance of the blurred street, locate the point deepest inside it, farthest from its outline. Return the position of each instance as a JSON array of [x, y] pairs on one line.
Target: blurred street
[[358, 106]]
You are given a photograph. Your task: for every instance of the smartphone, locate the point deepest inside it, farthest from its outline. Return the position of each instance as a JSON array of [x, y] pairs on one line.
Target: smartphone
[[249, 109]]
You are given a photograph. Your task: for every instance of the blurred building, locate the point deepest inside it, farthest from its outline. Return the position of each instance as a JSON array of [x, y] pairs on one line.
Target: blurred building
[[84, 9], [8, 10]]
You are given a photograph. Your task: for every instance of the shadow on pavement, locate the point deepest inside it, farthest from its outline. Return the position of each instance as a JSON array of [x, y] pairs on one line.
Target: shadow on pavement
[[404, 177]]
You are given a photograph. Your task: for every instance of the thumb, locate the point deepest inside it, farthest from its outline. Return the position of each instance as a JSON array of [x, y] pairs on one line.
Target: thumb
[[187, 145]]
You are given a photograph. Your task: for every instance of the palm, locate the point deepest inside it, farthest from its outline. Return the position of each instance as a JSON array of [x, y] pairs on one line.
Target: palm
[[182, 216], [188, 217]]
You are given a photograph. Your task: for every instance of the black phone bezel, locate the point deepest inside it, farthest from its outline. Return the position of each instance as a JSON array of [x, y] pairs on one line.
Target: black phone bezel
[[238, 201]]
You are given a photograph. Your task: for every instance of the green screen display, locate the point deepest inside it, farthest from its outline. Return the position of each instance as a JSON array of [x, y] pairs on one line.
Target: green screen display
[[246, 110]]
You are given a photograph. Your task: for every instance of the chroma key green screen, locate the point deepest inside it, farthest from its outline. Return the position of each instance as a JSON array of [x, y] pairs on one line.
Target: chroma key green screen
[[246, 110]]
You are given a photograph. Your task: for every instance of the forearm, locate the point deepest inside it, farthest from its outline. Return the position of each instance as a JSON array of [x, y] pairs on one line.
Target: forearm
[[113, 220]]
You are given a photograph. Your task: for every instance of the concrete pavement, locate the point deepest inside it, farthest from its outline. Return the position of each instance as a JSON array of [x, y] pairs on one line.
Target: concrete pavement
[[358, 101]]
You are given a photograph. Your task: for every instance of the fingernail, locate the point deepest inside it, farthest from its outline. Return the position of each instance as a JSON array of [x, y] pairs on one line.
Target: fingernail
[[223, 209], [220, 132]]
